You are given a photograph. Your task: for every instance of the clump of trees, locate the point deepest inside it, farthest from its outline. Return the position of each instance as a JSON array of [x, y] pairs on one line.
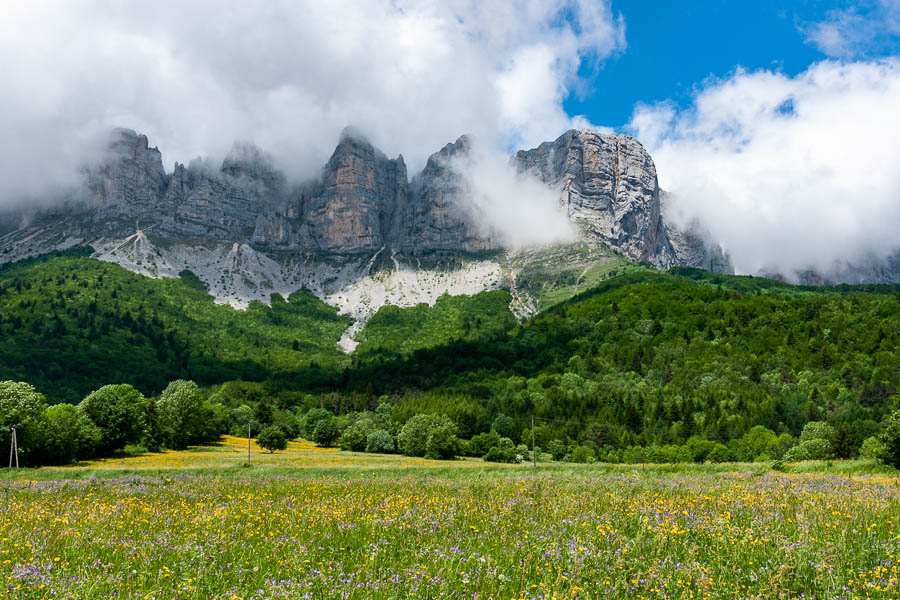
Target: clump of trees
[[272, 439], [113, 419]]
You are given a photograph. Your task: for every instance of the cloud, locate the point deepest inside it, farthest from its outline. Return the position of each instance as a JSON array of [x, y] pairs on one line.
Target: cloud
[[517, 207], [870, 26], [285, 75], [787, 172]]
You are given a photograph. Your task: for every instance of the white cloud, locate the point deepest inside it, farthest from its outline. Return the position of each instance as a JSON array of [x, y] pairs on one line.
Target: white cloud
[[786, 172], [517, 207], [872, 25], [285, 75]]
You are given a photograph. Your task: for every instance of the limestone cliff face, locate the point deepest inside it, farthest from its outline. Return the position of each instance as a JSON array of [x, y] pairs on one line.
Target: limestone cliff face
[[437, 217], [129, 181], [364, 201], [607, 182], [360, 193]]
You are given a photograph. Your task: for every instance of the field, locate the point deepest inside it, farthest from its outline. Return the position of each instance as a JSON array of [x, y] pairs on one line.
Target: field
[[321, 523]]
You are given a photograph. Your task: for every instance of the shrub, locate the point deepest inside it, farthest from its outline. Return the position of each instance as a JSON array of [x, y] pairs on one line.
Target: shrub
[[817, 430], [720, 453], [379, 441], [441, 444], [481, 443], [814, 449], [583, 454], [700, 449], [326, 432], [872, 447], [132, 450], [272, 438], [503, 452], [354, 437], [413, 437], [557, 449]]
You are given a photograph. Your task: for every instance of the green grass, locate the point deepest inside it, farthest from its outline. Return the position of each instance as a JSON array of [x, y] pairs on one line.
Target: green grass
[[553, 275], [196, 524]]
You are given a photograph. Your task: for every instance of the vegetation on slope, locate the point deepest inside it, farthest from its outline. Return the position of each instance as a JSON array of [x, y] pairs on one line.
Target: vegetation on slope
[[71, 324], [396, 331], [655, 358]]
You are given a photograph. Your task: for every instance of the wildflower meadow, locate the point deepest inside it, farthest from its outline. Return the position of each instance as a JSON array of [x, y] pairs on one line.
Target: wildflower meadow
[[315, 523]]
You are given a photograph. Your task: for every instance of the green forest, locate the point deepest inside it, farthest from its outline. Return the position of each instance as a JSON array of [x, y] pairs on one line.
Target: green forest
[[645, 366]]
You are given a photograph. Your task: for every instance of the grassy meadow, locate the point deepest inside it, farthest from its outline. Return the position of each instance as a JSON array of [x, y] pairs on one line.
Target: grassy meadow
[[321, 523]]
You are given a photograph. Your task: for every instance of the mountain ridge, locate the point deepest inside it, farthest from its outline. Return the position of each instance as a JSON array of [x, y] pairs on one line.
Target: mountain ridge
[[247, 232]]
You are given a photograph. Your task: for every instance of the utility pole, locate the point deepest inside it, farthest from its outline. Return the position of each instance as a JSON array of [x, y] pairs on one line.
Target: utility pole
[[13, 449], [533, 453]]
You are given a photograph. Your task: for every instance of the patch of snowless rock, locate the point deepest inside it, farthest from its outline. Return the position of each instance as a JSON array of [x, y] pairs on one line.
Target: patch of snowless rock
[[236, 274]]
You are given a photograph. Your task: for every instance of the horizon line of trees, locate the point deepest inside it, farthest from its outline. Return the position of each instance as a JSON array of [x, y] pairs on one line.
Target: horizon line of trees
[[117, 419]]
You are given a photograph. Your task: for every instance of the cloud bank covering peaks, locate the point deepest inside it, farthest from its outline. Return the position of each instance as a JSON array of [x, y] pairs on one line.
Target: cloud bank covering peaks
[[287, 76], [787, 172]]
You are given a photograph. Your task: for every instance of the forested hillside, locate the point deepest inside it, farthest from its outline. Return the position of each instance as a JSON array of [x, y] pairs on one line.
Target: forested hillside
[[644, 359], [71, 324], [659, 357]]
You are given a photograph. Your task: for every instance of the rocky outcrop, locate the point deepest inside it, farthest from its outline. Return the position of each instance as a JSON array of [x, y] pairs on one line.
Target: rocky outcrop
[[363, 201], [607, 182], [867, 269], [130, 180], [438, 217]]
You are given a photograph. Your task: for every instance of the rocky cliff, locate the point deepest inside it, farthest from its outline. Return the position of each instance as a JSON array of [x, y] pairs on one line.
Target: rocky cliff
[[607, 182], [360, 235]]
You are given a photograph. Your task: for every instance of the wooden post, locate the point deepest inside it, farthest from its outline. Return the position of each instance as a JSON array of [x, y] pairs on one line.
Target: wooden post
[[533, 454], [248, 443], [13, 449]]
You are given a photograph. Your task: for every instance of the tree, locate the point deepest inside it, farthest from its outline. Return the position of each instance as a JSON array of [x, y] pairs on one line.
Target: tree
[[413, 437], [379, 441], [557, 449], [442, 444], [263, 411], [583, 454], [22, 407], [756, 444], [505, 426], [312, 419], [354, 437], [844, 442], [814, 449], [120, 413], [326, 432], [69, 435], [180, 414], [890, 440], [481, 443], [272, 439], [503, 452]]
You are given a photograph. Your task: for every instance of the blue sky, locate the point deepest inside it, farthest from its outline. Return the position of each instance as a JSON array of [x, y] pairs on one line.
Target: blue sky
[[673, 47]]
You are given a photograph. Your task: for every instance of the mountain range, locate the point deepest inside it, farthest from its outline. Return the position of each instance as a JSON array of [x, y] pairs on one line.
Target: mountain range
[[362, 234]]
